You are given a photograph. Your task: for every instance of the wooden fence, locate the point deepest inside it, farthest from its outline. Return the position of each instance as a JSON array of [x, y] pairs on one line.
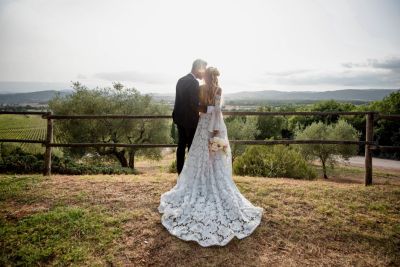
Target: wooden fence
[[368, 143]]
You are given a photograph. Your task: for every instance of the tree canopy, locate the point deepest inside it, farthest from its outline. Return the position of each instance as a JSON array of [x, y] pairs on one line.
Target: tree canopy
[[115, 100]]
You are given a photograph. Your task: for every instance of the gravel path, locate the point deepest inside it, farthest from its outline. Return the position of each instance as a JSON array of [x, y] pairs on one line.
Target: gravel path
[[376, 162]]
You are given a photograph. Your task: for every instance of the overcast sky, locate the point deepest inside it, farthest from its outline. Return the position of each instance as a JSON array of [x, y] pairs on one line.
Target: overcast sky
[[257, 45]]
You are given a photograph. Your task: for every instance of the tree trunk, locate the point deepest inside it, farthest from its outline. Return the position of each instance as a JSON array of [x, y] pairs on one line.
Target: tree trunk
[[132, 159], [121, 157], [324, 169]]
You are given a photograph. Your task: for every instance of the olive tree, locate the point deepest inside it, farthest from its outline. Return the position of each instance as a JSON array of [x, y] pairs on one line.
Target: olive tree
[[270, 126], [241, 128], [326, 153], [115, 100]]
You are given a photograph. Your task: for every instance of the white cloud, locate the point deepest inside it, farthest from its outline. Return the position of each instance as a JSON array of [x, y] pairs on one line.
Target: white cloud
[[134, 76], [372, 73]]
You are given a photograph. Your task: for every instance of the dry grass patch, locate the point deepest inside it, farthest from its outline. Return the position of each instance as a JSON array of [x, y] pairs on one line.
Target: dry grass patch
[[318, 223]]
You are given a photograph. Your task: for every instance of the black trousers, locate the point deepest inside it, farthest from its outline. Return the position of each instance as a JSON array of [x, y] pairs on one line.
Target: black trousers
[[185, 136]]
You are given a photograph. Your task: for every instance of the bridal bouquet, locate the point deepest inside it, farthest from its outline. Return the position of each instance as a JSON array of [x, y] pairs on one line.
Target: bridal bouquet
[[217, 143]]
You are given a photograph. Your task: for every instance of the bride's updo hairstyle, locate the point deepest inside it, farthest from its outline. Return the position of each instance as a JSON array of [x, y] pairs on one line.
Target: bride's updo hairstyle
[[212, 83]]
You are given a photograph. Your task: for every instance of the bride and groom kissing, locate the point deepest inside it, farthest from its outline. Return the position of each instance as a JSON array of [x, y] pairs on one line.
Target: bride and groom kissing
[[205, 205]]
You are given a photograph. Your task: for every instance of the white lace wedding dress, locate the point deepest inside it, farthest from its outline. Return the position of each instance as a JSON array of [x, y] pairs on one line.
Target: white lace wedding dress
[[205, 205]]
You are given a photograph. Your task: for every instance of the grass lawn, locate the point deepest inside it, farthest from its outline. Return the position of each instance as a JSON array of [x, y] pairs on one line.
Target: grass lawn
[[113, 220]]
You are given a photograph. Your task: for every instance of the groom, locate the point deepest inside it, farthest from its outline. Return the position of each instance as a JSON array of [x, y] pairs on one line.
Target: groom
[[186, 109]]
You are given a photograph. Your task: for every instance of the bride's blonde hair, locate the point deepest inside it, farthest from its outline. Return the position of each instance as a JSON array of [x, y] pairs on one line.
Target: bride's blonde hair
[[210, 89]]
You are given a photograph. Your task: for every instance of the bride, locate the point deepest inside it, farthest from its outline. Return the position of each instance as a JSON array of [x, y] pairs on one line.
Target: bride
[[205, 205]]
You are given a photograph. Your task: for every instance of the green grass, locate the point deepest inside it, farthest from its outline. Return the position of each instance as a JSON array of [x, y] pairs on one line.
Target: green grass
[[61, 236], [12, 187]]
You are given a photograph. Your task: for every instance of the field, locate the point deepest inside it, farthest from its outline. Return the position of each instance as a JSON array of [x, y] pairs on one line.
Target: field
[[24, 127], [113, 220]]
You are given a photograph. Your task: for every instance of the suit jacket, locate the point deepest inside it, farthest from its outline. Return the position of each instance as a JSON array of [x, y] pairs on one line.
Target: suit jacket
[[187, 106]]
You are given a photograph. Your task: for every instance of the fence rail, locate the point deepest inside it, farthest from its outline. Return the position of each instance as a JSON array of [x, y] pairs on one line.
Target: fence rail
[[369, 144], [395, 117], [25, 112], [22, 141], [241, 142], [231, 113]]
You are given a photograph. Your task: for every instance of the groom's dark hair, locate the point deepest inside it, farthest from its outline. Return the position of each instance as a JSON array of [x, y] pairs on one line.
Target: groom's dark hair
[[198, 63]]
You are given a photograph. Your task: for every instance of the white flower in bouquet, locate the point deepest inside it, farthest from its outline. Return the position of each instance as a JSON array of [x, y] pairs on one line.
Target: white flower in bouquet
[[217, 143]]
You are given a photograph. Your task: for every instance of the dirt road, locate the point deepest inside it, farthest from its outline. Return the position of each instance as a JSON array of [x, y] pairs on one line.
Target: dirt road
[[376, 162]]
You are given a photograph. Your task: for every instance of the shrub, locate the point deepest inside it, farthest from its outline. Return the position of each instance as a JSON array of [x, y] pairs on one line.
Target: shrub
[[241, 128], [19, 161], [273, 161], [172, 167]]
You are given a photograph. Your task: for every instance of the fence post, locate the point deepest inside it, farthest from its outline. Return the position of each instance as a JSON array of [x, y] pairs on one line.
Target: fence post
[[369, 136], [49, 139]]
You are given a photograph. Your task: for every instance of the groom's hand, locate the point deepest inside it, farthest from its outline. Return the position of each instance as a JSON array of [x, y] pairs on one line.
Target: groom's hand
[[203, 108]]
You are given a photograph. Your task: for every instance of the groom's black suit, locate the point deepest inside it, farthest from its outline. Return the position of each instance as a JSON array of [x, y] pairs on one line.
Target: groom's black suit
[[186, 115]]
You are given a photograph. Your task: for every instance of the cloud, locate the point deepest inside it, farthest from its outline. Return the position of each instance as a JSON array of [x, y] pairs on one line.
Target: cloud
[[287, 72], [372, 73], [392, 63], [81, 76], [345, 78], [134, 76]]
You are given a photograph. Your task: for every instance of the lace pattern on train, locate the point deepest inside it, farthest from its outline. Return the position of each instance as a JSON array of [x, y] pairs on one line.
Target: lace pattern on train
[[205, 205]]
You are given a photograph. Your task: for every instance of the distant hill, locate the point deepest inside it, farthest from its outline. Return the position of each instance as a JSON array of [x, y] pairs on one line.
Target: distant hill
[[362, 95], [355, 96], [40, 97], [27, 87], [346, 94]]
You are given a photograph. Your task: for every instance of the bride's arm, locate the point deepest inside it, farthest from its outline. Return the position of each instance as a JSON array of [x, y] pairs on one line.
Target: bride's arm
[[215, 125]]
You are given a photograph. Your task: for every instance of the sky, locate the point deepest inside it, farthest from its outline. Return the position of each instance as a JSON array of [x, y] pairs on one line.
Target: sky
[[288, 45]]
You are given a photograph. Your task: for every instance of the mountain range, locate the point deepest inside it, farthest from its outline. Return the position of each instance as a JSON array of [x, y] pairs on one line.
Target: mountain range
[[42, 97], [31, 98], [346, 94]]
